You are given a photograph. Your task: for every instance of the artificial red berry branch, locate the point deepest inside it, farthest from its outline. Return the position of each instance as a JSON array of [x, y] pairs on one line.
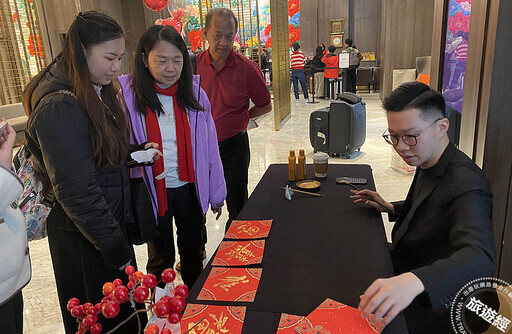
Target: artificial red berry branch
[[137, 291]]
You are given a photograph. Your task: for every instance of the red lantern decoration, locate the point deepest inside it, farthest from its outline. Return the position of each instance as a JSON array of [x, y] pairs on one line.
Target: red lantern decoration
[[156, 5]]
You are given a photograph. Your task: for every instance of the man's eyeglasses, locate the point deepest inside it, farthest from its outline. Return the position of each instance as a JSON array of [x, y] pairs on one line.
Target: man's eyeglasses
[[410, 140]]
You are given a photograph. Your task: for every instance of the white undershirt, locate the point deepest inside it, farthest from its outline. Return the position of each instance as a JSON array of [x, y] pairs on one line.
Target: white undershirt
[[167, 124]]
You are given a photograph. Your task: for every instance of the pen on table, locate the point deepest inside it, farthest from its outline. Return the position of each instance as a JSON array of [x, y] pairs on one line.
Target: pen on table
[[350, 184]]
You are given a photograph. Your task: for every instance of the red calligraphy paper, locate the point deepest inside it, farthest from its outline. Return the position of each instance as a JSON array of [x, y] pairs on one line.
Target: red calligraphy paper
[[288, 323], [249, 229], [231, 284], [334, 317], [239, 253], [199, 319]]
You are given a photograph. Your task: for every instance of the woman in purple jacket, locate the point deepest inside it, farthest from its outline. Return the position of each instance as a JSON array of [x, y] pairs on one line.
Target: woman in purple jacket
[[166, 105]]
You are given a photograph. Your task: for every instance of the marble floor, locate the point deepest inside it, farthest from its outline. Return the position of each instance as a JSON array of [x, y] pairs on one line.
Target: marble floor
[[267, 147]]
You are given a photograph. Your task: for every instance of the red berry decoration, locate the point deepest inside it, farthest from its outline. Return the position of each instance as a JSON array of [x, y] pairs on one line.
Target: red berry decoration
[[77, 311], [166, 331], [110, 310], [181, 290], [108, 288], [88, 308], [161, 309], [140, 294], [97, 308], [73, 302], [167, 300], [106, 299], [152, 329], [88, 321], [177, 304], [96, 328], [139, 275], [130, 285], [149, 281], [129, 270], [117, 282], [121, 294], [174, 317], [168, 275]]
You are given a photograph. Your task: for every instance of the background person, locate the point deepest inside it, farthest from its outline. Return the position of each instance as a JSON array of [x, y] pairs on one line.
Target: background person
[[230, 81], [443, 235], [351, 71], [331, 70], [79, 148], [318, 69], [163, 95], [14, 256], [297, 61]]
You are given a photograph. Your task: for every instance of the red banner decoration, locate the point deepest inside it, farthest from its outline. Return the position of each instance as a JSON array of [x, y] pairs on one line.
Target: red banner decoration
[[239, 253], [249, 229], [212, 319], [231, 284]]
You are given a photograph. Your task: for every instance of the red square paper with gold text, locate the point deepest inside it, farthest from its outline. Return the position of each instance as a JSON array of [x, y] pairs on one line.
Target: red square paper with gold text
[[249, 229], [239, 253], [334, 317], [288, 323], [231, 284], [199, 319]]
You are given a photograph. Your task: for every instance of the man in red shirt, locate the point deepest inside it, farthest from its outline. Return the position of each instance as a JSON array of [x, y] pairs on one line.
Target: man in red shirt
[[231, 80], [297, 60]]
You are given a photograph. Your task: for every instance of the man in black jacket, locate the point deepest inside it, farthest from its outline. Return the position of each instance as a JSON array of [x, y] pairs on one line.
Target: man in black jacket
[[443, 235]]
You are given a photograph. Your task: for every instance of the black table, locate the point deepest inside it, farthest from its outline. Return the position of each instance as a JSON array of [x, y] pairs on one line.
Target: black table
[[317, 248]]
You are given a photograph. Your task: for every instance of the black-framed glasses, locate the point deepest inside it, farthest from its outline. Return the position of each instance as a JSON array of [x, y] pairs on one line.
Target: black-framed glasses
[[410, 140]]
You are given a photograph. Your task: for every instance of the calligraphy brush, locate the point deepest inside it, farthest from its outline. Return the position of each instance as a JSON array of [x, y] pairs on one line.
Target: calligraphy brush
[[304, 192]]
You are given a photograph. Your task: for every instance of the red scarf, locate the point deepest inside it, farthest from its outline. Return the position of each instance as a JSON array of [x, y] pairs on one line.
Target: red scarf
[[185, 163]]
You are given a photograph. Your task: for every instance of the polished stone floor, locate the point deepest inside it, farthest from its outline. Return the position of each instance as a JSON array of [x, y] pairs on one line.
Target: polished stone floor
[[267, 147]]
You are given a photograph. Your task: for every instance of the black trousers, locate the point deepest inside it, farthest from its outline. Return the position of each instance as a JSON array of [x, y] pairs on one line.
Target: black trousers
[[235, 156], [11, 315], [79, 272], [351, 79], [183, 206]]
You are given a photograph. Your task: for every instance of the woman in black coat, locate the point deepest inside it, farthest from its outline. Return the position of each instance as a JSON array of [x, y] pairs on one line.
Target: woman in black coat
[[78, 137], [318, 69]]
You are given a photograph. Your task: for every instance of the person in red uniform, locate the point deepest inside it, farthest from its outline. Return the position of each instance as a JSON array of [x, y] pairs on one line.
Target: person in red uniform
[[331, 66], [230, 81]]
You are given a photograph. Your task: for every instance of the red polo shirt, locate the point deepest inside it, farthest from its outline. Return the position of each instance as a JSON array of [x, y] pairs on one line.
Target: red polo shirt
[[229, 90]]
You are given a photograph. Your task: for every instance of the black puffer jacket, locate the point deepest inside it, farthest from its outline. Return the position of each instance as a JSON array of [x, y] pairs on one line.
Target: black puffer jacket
[[91, 198]]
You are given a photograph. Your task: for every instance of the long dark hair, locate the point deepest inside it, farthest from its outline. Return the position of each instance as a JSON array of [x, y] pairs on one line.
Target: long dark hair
[[87, 30], [143, 81]]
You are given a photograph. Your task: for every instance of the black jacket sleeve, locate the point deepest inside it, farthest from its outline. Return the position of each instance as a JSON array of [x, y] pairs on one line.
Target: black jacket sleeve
[[63, 135]]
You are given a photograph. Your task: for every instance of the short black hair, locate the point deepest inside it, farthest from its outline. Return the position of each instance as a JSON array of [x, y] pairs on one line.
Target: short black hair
[[416, 95], [223, 12], [349, 42], [331, 48], [295, 46]]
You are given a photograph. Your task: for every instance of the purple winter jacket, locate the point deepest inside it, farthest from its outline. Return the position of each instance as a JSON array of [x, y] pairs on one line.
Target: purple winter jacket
[[209, 174]]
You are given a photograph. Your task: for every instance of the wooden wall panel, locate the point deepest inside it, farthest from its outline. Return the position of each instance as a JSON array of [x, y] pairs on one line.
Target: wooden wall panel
[[497, 160], [367, 25], [406, 33], [308, 26]]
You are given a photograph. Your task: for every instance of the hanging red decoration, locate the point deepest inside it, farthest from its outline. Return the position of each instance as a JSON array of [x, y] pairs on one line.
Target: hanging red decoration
[[157, 5], [173, 22]]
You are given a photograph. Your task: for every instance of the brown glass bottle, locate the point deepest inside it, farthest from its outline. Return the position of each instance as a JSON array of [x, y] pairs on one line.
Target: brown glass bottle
[[291, 166], [302, 165]]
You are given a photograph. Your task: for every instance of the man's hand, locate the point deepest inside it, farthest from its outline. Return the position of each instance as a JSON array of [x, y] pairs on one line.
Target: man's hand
[[372, 198], [218, 211], [387, 297], [259, 111]]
